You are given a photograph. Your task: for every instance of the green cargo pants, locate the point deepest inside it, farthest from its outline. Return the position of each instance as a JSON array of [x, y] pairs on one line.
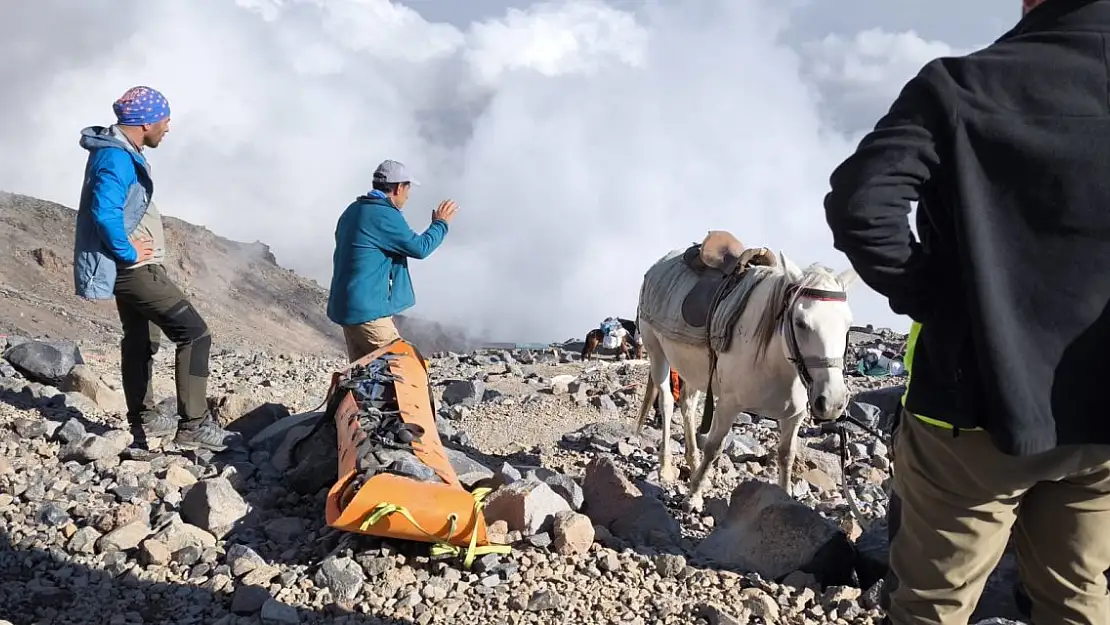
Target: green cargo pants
[[148, 301]]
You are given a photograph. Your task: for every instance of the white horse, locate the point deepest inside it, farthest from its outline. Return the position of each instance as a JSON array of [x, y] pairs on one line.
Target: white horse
[[784, 357]]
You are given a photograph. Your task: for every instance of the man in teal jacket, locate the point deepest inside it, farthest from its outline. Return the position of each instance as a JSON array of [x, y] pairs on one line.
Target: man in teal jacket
[[370, 274]]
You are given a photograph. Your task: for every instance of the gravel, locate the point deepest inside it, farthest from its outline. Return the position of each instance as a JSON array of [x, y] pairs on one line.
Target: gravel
[[94, 531]]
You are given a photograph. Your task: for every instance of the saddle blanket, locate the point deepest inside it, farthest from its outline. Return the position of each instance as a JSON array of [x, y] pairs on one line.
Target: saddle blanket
[[668, 282]]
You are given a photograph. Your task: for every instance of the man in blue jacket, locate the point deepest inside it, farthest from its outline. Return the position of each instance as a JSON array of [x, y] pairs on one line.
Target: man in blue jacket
[[370, 274], [118, 251]]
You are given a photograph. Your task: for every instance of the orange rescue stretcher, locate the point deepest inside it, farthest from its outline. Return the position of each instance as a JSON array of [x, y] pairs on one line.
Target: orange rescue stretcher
[[394, 506]]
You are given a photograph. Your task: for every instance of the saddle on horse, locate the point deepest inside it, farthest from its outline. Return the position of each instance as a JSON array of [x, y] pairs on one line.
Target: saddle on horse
[[719, 260]]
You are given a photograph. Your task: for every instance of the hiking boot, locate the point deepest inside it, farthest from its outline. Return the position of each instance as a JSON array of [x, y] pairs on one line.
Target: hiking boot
[[153, 425], [206, 435]]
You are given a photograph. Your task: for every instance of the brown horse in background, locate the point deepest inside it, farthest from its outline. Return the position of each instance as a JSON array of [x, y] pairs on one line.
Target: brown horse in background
[[595, 336]]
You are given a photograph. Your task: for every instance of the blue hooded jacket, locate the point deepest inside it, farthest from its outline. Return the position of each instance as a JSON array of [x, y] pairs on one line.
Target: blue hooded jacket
[[370, 272], [115, 195]]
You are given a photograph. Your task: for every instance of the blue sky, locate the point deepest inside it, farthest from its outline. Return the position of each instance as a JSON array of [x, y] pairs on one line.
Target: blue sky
[[583, 139]]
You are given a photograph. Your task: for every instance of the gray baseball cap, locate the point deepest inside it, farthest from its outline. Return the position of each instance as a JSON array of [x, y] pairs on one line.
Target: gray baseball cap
[[392, 171]]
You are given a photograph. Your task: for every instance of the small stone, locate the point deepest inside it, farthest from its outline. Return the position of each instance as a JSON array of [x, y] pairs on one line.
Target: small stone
[[669, 565], [242, 560], [540, 541], [759, 603], [155, 553], [124, 538], [342, 576], [275, 612], [497, 532], [544, 600], [248, 600], [574, 533], [214, 505]]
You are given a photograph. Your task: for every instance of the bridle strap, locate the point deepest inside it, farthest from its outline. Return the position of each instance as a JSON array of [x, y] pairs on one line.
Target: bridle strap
[[803, 364]]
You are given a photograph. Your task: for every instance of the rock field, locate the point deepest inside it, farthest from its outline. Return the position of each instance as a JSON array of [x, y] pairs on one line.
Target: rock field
[[95, 531]]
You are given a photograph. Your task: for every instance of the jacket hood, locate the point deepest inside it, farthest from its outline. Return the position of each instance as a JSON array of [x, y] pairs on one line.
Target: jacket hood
[[96, 137], [376, 197]]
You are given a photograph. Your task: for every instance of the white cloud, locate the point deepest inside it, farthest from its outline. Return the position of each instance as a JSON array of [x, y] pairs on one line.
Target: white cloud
[[555, 40], [582, 141], [860, 75]]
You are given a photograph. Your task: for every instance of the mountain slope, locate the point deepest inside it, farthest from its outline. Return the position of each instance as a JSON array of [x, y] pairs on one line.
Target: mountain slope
[[247, 299]]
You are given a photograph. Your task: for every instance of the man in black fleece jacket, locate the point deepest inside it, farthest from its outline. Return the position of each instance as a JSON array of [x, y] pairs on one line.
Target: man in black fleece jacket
[[1007, 153]]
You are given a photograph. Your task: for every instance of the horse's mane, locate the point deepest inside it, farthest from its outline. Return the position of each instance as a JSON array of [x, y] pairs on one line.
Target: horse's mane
[[779, 283]]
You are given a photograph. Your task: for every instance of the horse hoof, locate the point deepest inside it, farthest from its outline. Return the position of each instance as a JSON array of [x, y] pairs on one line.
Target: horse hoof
[[668, 474], [692, 503]]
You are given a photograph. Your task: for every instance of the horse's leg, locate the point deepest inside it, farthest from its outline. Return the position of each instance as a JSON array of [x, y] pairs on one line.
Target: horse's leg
[[788, 449], [650, 393], [667, 471], [724, 415], [660, 374], [688, 399]]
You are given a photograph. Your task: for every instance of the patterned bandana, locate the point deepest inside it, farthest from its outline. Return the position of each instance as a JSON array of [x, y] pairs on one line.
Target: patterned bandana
[[141, 105]]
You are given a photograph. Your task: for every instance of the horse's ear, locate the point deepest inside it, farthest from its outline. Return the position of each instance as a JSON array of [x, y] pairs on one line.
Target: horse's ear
[[792, 271], [847, 278]]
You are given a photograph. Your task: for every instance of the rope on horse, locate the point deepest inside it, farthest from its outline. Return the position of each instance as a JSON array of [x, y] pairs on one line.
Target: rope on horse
[[842, 433]]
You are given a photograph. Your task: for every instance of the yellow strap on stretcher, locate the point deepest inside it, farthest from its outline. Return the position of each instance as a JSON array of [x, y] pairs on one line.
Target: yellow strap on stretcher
[[440, 546]]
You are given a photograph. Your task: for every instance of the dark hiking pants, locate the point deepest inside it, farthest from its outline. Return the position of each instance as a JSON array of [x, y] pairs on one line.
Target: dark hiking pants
[[957, 498], [148, 302]]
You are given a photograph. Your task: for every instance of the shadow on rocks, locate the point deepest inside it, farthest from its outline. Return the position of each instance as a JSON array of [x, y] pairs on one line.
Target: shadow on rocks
[[518, 459], [230, 528], [44, 585], [51, 403]]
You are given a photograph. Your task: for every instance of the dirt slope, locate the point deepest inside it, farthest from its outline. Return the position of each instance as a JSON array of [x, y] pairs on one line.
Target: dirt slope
[[245, 296]]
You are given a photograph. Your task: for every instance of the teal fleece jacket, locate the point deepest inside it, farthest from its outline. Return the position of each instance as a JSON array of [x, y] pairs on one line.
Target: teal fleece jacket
[[370, 273]]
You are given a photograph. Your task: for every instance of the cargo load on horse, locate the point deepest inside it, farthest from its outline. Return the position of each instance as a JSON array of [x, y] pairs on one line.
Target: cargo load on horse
[[614, 333]]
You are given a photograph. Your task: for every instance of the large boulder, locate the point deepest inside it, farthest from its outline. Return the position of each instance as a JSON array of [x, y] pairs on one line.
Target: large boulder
[[469, 471], [46, 362], [648, 523], [877, 407], [527, 506], [608, 493], [282, 432], [312, 460], [768, 532], [247, 410], [214, 506], [81, 379], [615, 503], [464, 392]]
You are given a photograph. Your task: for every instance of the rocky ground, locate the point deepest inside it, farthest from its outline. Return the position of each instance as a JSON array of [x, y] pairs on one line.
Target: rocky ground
[[94, 531]]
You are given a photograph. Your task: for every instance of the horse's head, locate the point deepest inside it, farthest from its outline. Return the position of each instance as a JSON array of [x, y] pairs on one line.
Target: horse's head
[[815, 322]]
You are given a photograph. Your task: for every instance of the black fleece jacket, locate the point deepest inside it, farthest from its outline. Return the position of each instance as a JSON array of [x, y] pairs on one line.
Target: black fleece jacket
[[1007, 152]]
